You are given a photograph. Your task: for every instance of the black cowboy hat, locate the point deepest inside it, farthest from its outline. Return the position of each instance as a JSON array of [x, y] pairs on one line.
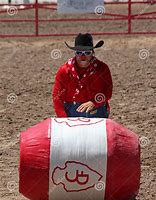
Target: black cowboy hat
[[84, 42]]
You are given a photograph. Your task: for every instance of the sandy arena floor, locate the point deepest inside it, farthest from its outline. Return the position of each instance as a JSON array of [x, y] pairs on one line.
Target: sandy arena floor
[[27, 71]]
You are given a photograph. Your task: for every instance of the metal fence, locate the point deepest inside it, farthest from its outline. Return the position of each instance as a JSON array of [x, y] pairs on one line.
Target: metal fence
[[129, 17]]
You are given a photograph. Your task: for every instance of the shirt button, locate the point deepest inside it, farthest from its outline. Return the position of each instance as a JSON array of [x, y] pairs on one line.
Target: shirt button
[[74, 102]]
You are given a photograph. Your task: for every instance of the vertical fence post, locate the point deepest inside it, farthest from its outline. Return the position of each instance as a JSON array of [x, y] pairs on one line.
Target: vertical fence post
[[129, 16], [36, 18]]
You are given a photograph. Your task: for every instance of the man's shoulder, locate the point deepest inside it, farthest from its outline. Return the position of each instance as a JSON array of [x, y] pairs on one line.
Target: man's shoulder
[[63, 69]]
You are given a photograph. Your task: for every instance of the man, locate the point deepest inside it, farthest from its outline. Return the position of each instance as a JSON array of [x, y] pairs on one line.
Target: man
[[83, 85]]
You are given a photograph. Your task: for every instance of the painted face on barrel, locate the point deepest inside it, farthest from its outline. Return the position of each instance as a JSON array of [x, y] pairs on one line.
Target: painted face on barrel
[[83, 58]]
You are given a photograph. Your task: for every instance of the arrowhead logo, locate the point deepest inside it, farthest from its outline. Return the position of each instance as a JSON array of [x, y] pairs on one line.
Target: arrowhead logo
[[75, 176], [78, 121]]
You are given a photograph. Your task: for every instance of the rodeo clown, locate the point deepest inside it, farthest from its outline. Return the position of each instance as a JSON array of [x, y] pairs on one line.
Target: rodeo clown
[[83, 85]]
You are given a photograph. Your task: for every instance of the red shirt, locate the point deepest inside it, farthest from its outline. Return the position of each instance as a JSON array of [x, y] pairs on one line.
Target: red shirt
[[73, 84]]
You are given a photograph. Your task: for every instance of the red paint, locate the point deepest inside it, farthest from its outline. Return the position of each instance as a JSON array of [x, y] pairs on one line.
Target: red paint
[[34, 161], [123, 162]]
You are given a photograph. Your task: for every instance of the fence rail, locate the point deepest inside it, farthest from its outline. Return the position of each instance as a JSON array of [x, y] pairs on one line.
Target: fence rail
[[129, 18]]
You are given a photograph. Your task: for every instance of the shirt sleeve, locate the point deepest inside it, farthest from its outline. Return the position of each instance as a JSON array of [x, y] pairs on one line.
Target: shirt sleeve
[[58, 93], [106, 93]]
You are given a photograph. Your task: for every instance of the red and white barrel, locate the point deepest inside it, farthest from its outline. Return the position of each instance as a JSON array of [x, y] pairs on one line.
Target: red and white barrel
[[79, 158]]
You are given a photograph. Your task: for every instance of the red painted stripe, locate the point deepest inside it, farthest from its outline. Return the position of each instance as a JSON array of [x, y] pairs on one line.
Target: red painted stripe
[[123, 162], [34, 162]]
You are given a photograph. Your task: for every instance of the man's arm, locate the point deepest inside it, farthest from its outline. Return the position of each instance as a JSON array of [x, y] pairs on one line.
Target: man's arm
[[106, 94], [58, 94]]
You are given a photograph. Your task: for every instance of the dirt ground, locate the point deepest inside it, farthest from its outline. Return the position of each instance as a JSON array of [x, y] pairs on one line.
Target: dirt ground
[[27, 72]]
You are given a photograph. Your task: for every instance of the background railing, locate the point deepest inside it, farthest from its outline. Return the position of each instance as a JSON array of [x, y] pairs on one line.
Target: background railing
[[8, 16]]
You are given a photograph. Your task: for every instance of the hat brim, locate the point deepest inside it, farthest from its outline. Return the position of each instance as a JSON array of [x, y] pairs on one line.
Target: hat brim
[[84, 48]]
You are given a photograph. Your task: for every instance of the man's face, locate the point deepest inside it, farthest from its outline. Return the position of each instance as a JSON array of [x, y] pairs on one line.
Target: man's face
[[83, 58]]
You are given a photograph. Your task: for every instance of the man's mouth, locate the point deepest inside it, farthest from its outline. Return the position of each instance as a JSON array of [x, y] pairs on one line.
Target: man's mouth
[[83, 62]]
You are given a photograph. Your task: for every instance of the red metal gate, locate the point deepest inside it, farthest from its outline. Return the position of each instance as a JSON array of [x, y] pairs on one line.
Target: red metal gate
[[128, 18]]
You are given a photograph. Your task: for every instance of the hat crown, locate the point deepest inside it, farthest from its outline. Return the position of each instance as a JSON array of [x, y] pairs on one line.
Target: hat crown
[[84, 40]]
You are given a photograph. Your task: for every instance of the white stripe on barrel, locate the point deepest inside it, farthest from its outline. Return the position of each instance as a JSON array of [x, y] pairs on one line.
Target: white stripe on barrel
[[78, 159]]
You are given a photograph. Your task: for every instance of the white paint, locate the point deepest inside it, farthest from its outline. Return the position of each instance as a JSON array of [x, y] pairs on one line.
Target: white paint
[[78, 145]]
